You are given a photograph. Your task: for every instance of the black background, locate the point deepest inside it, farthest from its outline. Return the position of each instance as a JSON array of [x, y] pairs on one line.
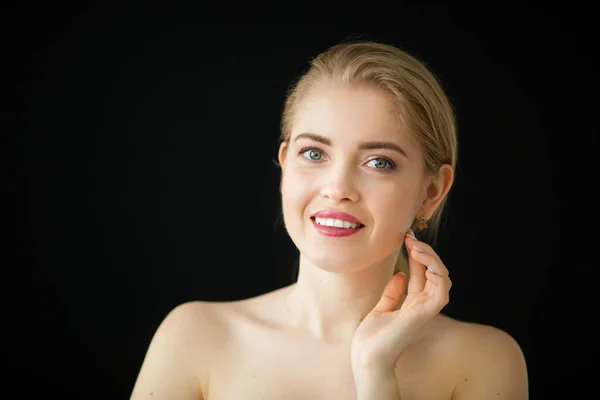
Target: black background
[[141, 174]]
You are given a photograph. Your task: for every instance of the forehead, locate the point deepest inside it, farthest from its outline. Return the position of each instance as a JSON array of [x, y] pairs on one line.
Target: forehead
[[345, 112]]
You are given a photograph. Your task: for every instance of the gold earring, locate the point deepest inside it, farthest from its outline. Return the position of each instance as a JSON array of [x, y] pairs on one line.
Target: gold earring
[[422, 225]]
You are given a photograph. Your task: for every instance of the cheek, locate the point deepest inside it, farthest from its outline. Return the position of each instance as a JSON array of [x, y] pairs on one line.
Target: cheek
[[396, 208], [294, 190]]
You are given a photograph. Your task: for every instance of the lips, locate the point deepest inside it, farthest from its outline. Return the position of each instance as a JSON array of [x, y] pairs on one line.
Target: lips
[[337, 215], [344, 224]]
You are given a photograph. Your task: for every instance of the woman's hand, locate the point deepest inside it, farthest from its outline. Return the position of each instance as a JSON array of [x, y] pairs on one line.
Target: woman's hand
[[386, 331]]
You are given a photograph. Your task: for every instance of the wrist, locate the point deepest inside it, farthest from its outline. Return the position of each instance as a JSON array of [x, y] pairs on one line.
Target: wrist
[[376, 384]]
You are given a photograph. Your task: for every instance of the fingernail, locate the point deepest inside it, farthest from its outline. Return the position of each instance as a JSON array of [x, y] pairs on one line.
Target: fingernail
[[411, 234], [420, 250]]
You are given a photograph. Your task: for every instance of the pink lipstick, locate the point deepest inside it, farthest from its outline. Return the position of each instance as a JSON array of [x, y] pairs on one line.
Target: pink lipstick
[[336, 223]]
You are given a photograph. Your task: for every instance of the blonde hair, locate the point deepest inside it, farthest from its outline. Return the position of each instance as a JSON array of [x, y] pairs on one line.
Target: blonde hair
[[422, 104]]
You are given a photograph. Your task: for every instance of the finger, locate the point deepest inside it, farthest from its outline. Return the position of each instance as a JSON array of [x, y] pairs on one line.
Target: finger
[[431, 262], [435, 278], [438, 280], [441, 289], [426, 256], [417, 280], [392, 294]]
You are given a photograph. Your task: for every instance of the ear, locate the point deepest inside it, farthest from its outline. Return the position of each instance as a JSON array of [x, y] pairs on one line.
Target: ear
[[283, 148], [437, 189]]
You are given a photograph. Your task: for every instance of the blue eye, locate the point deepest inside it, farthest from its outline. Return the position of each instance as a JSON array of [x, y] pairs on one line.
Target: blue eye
[[312, 154], [381, 163]]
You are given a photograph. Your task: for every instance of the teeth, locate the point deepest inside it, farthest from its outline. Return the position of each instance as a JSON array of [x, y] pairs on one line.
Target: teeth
[[338, 223]]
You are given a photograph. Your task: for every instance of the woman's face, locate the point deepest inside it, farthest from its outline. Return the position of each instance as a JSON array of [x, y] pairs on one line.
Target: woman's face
[[348, 153]]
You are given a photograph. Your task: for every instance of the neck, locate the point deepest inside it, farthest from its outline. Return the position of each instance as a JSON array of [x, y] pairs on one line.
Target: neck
[[331, 305]]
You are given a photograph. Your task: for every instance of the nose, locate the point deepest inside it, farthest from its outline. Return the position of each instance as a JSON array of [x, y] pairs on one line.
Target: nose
[[339, 185]]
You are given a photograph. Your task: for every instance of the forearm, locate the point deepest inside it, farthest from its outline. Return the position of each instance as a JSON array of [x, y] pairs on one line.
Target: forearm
[[376, 385]]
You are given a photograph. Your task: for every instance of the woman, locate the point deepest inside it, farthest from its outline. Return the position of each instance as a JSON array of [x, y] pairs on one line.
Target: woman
[[368, 154]]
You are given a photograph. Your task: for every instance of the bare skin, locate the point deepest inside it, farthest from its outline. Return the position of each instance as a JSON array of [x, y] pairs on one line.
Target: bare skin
[[348, 328], [251, 349], [301, 366]]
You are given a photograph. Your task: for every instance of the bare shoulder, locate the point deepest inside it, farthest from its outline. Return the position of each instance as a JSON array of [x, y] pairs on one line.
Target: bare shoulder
[[195, 325], [178, 357], [490, 362]]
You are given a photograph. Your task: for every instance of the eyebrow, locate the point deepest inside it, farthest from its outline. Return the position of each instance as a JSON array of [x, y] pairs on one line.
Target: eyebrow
[[363, 146]]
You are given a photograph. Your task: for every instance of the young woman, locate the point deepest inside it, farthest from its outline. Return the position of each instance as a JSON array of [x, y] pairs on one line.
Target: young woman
[[367, 158]]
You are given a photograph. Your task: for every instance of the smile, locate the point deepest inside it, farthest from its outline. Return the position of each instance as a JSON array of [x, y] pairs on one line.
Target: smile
[[338, 223], [334, 227]]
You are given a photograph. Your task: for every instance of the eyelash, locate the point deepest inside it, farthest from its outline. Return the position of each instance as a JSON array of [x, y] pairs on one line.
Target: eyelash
[[391, 164]]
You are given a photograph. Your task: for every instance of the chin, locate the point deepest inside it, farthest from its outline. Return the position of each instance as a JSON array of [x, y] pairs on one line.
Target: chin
[[336, 261], [338, 255]]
